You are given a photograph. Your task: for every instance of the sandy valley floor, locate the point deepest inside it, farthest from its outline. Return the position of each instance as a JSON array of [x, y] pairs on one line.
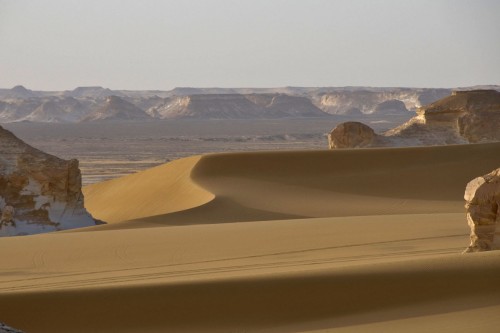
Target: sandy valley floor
[[297, 241]]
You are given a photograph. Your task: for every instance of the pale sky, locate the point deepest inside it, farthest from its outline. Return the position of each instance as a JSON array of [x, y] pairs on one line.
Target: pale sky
[[162, 44]]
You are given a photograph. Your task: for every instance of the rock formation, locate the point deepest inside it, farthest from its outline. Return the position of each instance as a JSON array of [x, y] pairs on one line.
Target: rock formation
[[117, 109], [98, 103], [44, 190], [235, 106], [281, 105], [391, 106], [7, 329], [352, 134], [207, 107], [59, 110], [482, 197], [7, 218], [353, 112], [368, 99], [91, 92], [464, 117]]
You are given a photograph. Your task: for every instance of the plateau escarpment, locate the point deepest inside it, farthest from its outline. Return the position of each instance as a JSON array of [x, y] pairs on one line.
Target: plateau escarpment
[[98, 103], [463, 117], [59, 110], [117, 109], [376, 100], [236, 106], [38, 192], [206, 106]]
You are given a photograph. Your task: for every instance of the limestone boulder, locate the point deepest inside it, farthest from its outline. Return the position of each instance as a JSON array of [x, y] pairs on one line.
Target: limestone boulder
[[352, 134], [38, 192], [482, 203]]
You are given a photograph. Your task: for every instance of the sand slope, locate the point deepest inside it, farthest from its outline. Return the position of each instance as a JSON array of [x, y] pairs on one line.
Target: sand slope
[[164, 189], [343, 241], [285, 185]]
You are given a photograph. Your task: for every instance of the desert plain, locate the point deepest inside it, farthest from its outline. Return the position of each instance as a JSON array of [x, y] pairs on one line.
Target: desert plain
[[354, 240]]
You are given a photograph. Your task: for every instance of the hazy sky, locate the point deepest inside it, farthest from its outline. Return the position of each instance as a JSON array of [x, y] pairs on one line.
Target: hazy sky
[[161, 44]]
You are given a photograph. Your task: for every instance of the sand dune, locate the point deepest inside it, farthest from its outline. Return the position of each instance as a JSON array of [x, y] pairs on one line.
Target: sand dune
[[281, 185], [333, 241], [160, 190]]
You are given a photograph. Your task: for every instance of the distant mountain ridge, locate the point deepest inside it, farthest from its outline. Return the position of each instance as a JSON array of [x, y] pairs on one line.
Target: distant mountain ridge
[[102, 104], [236, 106]]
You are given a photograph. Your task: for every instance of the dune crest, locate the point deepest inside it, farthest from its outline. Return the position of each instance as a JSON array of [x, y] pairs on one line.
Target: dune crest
[[161, 190], [236, 187]]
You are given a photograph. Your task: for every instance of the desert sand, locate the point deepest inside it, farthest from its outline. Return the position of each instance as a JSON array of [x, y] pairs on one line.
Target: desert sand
[[366, 240]]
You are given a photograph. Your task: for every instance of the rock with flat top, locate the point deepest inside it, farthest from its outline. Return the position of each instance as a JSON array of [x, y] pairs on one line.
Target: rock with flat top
[[38, 192], [482, 197], [461, 118], [464, 117]]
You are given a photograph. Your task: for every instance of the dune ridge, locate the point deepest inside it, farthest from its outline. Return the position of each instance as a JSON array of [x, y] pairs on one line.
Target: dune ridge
[[396, 181], [160, 190]]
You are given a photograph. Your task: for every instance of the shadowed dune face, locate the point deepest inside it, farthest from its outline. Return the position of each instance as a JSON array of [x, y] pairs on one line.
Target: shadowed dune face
[[295, 184], [411, 173]]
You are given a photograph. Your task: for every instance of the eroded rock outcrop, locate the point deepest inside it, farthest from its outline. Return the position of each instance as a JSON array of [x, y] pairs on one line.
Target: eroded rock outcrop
[[482, 197], [235, 106], [102, 104], [464, 117], [352, 134], [369, 100], [390, 107], [117, 109], [44, 191], [7, 329]]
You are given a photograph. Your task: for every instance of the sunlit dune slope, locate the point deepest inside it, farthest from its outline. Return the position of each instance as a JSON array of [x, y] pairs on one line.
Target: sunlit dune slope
[[294, 184], [303, 298], [160, 190]]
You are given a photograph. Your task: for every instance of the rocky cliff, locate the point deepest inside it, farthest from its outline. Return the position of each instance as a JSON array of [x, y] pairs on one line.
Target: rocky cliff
[[117, 109], [235, 106], [45, 191], [376, 99], [206, 107], [463, 117], [59, 110]]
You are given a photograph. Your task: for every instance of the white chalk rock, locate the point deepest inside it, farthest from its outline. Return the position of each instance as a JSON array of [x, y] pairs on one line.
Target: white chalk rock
[[38, 192], [482, 196]]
